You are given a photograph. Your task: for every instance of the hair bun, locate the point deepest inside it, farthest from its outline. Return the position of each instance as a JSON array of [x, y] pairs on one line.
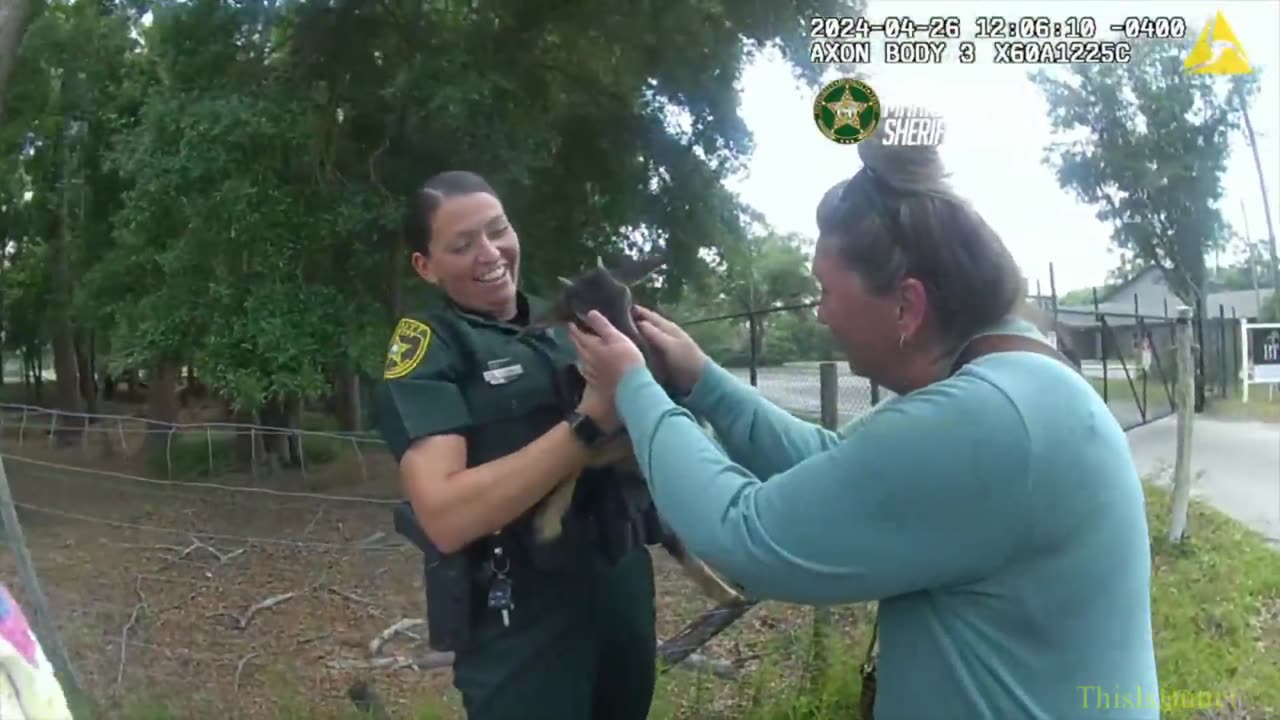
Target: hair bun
[[907, 168]]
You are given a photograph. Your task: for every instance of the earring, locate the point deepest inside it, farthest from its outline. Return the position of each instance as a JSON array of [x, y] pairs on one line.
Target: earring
[[902, 340]]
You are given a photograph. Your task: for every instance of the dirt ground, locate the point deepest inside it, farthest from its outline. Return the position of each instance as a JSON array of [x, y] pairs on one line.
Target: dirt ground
[[153, 585]]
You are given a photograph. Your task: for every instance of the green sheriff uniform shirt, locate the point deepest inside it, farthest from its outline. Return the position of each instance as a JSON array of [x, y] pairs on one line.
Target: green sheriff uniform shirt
[[454, 372]]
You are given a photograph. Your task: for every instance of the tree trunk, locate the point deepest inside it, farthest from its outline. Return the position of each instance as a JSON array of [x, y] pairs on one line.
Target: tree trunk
[[245, 452], [84, 368], [108, 386], [67, 380], [274, 441], [131, 384], [162, 399], [346, 394], [293, 419], [13, 23], [39, 375]]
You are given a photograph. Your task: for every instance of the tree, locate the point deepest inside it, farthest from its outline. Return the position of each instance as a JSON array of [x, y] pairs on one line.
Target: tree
[[13, 17], [1148, 143], [219, 187], [752, 283]]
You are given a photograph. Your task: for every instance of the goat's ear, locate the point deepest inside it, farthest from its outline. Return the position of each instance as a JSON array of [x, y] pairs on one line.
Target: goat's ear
[[638, 271]]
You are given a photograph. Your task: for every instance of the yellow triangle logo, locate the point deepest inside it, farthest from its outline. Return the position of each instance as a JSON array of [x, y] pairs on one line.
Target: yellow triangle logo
[[1217, 51]]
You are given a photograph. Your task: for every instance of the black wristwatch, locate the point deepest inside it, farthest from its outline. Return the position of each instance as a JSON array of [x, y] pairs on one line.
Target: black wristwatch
[[587, 431]]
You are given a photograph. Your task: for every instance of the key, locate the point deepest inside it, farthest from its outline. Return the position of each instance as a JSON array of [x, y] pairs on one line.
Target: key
[[500, 598]]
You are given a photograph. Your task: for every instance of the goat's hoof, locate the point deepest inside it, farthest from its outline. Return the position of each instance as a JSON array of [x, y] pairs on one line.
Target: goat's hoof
[[547, 528]]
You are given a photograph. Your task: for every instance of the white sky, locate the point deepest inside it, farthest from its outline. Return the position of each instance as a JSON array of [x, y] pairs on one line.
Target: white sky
[[997, 128]]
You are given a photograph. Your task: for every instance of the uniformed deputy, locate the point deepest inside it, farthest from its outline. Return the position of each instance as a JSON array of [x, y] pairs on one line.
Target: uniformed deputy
[[476, 417]]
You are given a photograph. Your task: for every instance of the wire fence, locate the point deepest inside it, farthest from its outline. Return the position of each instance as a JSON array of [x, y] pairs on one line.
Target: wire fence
[[235, 596], [258, 559], [201, 593]]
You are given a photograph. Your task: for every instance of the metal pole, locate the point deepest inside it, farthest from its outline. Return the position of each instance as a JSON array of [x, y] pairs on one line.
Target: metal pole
[[1266, 202], [1102, 343], [1053, 297], [1222, 346]]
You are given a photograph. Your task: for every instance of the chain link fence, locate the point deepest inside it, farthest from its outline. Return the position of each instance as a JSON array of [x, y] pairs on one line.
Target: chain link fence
[[778, 350]]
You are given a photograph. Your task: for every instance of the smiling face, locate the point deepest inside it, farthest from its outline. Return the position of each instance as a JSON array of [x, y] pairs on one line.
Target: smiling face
[[473, 254]]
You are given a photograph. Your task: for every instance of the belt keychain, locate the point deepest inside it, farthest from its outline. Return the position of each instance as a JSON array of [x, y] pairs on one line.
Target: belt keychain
[[500, 590]]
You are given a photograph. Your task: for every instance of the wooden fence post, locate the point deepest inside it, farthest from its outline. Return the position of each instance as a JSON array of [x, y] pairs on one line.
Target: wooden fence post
[[829, 406], [1186, 398], [41, 617]]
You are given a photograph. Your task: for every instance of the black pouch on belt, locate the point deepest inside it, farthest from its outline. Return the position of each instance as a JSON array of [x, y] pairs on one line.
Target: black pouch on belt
[[448, 578]]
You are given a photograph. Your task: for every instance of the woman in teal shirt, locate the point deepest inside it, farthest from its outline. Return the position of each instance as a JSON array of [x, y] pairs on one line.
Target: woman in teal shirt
[[995, 512]]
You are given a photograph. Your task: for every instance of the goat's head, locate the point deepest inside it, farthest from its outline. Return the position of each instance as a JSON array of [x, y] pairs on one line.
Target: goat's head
[[607, 292]]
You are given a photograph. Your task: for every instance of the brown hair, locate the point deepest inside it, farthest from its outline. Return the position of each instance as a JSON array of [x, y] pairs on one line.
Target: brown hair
[[897, 217], [428, 198]]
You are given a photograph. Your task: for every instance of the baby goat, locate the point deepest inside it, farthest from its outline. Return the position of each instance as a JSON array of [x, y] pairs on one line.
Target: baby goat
[[610, 295]]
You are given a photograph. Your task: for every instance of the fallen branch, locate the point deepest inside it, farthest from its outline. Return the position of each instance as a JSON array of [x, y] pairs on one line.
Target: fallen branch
[[240, 668], [313, 638], [719, 668], [244, 620], [699, 632], [222, 557], [429, 661], [352, 597], [312, 524], [124, 632], [400, 626]]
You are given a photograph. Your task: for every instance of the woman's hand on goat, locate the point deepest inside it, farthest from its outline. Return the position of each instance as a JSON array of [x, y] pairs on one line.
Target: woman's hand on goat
[[683, 357], [605, 354]]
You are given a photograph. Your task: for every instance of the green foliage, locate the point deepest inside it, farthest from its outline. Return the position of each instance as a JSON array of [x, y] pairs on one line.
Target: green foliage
[[1270, 310], [1082, 296], [221, 185], [1147, 143], [192, 456], [764, 274]]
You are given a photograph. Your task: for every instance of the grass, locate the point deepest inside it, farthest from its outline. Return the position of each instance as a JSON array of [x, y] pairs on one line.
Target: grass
[[1261, 406], [1215, 609]]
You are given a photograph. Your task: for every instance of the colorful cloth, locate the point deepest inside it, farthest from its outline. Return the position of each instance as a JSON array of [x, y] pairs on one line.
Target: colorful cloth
[[28, 688]]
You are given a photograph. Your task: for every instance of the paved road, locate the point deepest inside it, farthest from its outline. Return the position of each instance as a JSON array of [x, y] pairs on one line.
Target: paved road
[[1235, 466], [795, 388]]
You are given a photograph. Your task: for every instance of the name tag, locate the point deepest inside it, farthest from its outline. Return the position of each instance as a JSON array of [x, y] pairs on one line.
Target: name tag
[[502, 371]]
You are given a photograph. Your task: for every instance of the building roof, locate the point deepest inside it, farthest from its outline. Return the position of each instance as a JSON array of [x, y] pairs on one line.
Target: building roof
[[1115, 305]]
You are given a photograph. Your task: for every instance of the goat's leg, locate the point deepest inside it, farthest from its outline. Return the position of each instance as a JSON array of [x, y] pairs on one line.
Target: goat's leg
[[702, 575], [710, 583], [549, 518]]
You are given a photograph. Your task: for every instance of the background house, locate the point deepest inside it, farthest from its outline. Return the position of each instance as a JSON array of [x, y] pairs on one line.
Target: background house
[[1146, 304]]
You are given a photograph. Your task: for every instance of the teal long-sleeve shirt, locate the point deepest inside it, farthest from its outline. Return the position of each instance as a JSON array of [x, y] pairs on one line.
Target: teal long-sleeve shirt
[[996, 515]]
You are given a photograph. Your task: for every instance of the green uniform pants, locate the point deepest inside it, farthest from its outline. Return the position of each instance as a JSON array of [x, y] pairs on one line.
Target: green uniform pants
[[579, 647]]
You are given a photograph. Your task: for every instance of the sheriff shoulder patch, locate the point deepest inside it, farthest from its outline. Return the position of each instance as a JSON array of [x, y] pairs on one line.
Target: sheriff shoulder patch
[[408, 346]]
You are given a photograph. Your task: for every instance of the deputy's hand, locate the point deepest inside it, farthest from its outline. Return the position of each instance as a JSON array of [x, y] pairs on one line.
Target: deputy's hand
[[683, 356], [599, 406]]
